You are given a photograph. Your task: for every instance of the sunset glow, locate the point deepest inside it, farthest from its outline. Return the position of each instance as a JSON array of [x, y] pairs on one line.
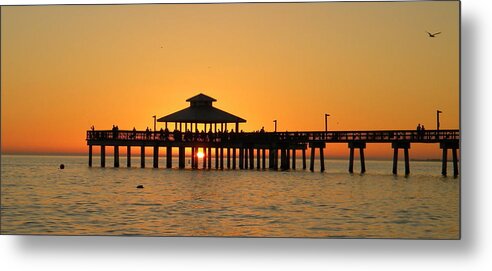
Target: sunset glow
[[371, 67]]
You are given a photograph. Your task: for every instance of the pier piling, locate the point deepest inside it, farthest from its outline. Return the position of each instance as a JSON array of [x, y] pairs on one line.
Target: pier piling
[[263, 162], [155, 163], [362, 161], [322, 159], [311, 166], [128, 156], [444, 170], [103, 156], [454, 146], [228, 158], [395, 161], [116, 154], [216, 158], [258, 161], [181, 155], [142, 156], [361, 146], [283, 158], [275, 159], [169, 157], [304, 158], [407, 161], [455, 162], [251, 158], [90, 155], [193, 155], [405, 145], [241, 158], [221, 158], [351, 160], [294, 158]]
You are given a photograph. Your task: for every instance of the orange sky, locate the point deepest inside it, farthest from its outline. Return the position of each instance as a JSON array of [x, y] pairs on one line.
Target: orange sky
[[370, 65]]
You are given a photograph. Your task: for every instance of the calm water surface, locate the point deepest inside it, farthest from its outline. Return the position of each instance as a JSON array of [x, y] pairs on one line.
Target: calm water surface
[[39, 198]]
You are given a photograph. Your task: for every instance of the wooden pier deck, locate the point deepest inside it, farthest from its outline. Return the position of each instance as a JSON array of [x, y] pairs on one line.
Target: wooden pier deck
[[238, 149]]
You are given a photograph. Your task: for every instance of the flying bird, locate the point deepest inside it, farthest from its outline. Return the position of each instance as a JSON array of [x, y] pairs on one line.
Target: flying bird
[[433, 35]]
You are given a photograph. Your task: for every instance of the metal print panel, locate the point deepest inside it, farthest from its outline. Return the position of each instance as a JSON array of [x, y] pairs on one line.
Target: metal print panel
[[325, 120]]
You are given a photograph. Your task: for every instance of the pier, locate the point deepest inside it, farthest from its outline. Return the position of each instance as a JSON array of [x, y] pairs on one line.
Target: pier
[[243, 149], [240, 150]]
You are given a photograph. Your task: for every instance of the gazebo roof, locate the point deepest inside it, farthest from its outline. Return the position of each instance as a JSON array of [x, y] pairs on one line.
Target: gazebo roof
[[201, 98], [205, 113]]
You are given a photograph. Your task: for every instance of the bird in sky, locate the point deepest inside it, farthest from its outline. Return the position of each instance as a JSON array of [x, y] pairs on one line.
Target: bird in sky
[[433, 35]]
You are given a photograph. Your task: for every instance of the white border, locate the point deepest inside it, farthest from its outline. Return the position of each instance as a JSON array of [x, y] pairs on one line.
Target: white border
[[473, 252]]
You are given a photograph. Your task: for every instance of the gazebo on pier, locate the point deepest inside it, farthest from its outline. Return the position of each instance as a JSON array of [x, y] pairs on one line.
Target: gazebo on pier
[[201, 111]]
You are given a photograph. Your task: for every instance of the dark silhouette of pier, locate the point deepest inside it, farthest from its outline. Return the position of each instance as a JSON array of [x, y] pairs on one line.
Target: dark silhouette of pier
[[241, 150]]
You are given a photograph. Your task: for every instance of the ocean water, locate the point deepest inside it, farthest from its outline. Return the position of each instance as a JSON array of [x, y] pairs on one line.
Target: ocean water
[[39, 198]]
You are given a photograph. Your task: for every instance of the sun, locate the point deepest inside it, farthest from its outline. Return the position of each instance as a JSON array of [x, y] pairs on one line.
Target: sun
[[200, 154]]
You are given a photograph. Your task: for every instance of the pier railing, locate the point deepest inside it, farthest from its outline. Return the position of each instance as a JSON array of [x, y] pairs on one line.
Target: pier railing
[[380, 136]]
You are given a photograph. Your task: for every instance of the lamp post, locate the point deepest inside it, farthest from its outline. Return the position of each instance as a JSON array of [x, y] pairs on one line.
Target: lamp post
[[155, 120], [326, 122], [437, 118], [275, 121]]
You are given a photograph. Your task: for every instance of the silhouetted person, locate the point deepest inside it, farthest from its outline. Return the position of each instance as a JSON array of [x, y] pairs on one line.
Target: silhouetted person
[[423, 131], [92, 135], [187, 136], [166, 134], [114, 132], [418, 131], [262, 129], [210, 134], [203, 135], [177, 135]]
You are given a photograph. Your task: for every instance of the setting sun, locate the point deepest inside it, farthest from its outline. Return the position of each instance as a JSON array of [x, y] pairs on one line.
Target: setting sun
[[200, 155]]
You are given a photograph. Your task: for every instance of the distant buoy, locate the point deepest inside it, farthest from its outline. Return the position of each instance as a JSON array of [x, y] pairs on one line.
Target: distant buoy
[[139, 186], [62, 166]]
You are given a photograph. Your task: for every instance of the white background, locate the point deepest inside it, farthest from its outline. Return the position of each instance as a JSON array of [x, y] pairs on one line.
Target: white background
[[473, 252]]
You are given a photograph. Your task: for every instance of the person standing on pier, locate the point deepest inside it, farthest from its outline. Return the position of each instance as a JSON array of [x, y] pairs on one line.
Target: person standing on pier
[[166, 134], [418, 131]]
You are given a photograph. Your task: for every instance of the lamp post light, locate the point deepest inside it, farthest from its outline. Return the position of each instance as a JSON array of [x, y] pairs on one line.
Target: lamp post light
[[438, 124], [275, 121]]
